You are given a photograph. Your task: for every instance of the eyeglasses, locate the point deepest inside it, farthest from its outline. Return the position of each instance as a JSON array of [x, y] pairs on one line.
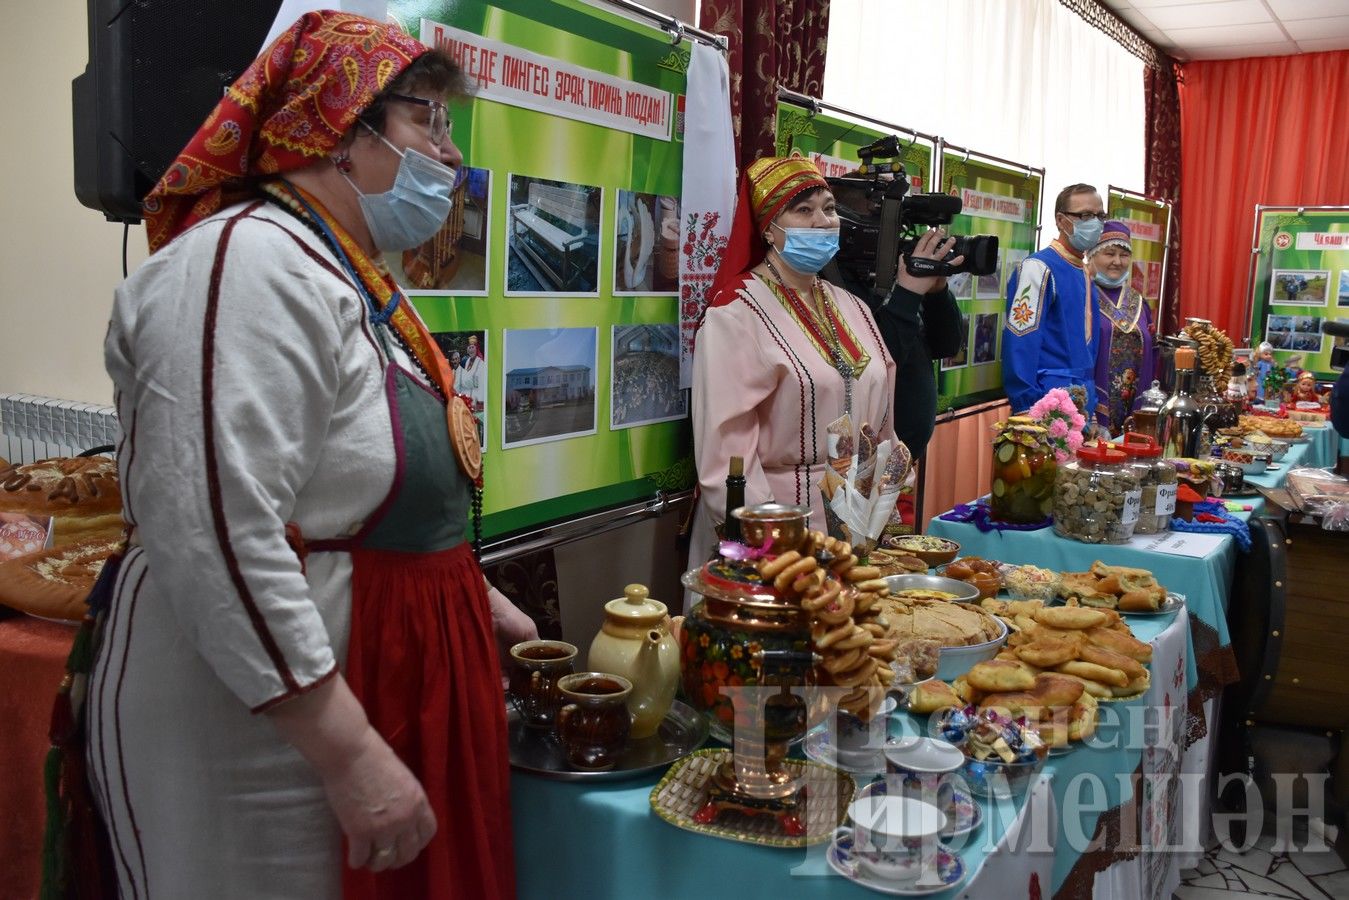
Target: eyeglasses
[[440, 124], [1083, 215]]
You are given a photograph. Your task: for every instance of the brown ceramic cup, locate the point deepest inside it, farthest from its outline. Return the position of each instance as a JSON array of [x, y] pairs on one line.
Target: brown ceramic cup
[[593, 725], [537, 667]]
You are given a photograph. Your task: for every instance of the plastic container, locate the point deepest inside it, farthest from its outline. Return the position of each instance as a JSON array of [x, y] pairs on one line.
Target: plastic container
[[1097, 496], [1157, 481]]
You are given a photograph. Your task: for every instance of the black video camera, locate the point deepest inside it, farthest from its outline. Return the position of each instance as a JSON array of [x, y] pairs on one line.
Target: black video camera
[[880, 221]]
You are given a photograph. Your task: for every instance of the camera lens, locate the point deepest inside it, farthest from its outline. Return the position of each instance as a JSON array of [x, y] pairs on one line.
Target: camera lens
[[980, 252]]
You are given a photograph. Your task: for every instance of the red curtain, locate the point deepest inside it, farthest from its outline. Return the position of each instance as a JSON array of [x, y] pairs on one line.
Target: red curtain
[[772, 42], [1266, 130], [1162, 170]]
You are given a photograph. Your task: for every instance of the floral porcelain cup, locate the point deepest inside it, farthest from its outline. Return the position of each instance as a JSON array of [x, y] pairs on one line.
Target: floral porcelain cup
[[895, 838]]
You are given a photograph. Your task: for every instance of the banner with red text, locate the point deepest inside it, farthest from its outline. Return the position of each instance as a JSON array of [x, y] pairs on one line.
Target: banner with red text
[[553, 285]]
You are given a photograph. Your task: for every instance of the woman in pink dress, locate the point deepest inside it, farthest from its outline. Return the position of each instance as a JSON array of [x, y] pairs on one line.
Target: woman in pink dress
[[781, 353]]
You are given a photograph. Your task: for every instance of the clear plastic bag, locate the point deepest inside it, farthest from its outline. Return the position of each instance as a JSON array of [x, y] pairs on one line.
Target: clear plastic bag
[[1321, 493]]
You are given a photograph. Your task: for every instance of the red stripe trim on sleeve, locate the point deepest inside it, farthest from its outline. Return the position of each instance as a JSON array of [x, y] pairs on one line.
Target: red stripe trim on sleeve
[[212, 466]]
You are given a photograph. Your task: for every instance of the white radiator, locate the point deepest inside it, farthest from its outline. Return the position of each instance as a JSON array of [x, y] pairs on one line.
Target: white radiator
[[33, 427]]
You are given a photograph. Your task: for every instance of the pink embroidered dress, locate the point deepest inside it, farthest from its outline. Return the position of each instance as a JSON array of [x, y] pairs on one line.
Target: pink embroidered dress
[[765, 389]]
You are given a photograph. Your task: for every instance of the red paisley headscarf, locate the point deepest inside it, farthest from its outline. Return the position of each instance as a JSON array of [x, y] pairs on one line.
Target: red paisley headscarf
[[768, 185], [290, 107]]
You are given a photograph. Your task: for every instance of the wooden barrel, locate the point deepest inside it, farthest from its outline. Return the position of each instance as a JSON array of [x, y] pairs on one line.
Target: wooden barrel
[[1289, 619]]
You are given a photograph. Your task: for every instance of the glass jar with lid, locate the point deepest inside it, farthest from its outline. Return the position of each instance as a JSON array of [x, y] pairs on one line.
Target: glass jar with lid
[[1023, 472], [1097, 496], [1157, 482], [1144, 419]]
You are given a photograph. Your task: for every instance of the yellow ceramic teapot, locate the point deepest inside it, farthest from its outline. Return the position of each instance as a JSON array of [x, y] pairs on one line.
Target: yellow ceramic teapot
[[636, 643]]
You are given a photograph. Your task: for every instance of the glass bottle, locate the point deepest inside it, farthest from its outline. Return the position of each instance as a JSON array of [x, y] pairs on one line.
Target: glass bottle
[[735, 498], [1182, 418]]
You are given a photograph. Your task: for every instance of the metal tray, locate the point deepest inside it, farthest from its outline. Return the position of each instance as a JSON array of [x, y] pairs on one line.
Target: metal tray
[[539, 752], [1172, 603]]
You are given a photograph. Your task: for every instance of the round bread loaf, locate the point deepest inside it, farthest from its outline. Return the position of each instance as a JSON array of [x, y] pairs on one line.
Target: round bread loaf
[[81, 494], [55, 583]]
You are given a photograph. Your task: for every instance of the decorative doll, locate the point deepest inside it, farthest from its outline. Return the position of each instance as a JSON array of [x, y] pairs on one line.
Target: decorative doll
[[1264, 364]]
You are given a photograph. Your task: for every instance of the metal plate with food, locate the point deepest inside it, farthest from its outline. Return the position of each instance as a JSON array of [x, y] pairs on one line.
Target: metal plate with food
[[933, 550], [1168, 607], [931, 587], [539, 752]]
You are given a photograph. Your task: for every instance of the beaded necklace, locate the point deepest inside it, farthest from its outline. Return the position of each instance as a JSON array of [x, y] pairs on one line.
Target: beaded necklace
[[821, 327], [290, 199]]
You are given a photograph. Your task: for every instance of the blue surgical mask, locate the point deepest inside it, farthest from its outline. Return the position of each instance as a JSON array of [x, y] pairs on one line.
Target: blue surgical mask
[[1086, 234], [1105, 280], [414, 209], [807, 250]]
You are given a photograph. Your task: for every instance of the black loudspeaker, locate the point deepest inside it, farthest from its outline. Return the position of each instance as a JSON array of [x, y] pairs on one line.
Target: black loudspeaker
[[156, 69]]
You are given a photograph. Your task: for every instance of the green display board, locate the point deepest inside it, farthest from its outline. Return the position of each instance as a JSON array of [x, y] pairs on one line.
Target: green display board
[[832, 140], [1003, 200], [558, 262], [1149, 222], [1299, 281]]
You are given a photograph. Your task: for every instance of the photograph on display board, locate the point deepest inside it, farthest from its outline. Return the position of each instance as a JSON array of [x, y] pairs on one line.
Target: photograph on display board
[[646, 244], [1138, 276], [645, 382], [1012, 258], [1154, 287], [552, 238], [960, 284], [986, 329], [989, 287], [467, 353], [455, 260], [1307, 341], [548, 384], [1344, 288], [1306, 334], [962, 356], [1298, 287]]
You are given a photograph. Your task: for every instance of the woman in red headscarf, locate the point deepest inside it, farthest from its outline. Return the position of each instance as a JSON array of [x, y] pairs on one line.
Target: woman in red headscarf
[[300, 649], [781, 353]]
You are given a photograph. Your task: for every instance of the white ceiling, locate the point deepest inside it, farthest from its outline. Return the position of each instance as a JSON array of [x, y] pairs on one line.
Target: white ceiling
[[1229, 29]]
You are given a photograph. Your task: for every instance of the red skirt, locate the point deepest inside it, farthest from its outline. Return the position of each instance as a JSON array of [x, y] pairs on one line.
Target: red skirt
[[423, 662]]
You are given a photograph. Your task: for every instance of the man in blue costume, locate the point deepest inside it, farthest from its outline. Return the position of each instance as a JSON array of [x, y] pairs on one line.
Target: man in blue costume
[[1049, 337]]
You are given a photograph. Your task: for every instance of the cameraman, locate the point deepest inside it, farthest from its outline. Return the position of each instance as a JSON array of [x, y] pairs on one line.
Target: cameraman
[[917, 329]]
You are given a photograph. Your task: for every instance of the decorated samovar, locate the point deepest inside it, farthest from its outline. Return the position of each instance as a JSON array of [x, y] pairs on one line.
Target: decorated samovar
[[791, 610]]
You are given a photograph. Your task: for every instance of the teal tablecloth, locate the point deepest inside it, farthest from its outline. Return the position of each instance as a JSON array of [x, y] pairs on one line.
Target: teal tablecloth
[[593, 841], [1204, 582], [1321, 451]]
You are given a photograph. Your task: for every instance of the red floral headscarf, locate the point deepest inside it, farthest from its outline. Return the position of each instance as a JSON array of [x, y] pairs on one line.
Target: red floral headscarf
[[291, 106], [768, 185]]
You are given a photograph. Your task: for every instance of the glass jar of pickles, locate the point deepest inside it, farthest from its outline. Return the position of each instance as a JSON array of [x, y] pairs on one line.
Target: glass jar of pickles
[[1023, 472]]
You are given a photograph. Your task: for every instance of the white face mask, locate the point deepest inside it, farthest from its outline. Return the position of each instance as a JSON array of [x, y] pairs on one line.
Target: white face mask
[[414, 209]]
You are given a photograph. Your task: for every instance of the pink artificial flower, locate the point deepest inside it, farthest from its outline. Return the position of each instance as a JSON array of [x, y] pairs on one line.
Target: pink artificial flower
[[1058, 428], [1074, 440], [1061, 456]]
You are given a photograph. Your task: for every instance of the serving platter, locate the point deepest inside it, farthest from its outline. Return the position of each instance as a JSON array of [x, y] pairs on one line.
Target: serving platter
[[539, 752], [1172, 604]]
